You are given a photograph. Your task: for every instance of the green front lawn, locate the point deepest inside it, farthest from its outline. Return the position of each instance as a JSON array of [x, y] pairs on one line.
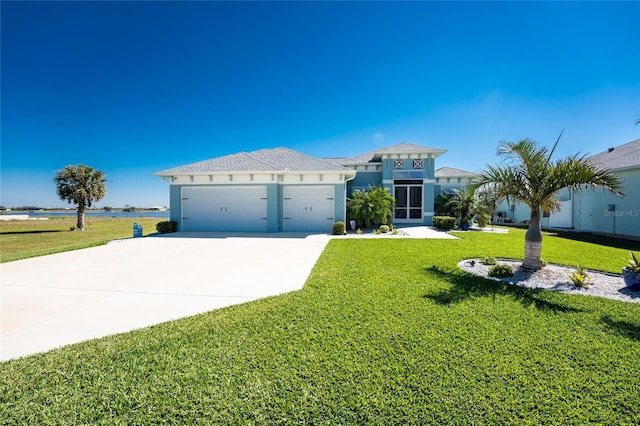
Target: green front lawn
[[22, 239], [386, 331]]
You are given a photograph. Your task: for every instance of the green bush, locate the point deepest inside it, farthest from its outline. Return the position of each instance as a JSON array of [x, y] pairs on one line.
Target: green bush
[[167, 227], [489, 260], [384, 229], [483, 219], [373, 206], [444, 222], [339, 228], [501, 270]]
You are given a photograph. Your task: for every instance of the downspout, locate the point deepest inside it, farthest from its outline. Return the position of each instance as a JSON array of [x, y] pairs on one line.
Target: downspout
[[345, 195]]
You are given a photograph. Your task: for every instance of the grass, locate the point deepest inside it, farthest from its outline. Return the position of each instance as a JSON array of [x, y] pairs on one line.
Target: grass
[[22, 239], [385, 331]]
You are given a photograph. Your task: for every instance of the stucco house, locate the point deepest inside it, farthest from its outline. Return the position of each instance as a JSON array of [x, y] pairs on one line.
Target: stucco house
[[282, 190], [596, 210]]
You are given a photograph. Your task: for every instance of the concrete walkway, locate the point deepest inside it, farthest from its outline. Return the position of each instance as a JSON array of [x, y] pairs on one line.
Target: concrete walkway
[[65, 298]]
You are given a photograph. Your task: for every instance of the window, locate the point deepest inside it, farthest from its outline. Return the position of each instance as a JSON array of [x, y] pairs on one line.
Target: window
[[417, 163], [409, 174], [398, 164]]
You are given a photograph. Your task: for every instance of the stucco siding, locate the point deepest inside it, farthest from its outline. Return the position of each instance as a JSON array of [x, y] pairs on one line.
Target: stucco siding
[[600, 211], [364, 180], [175, 213]]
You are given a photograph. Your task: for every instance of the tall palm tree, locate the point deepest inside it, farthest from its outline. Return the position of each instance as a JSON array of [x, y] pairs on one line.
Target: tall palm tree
[[81, 185], [530, 176]]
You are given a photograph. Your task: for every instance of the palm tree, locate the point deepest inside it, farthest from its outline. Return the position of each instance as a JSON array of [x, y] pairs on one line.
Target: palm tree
[[463, 204], [532, 178], [81, 185], [373, 206]]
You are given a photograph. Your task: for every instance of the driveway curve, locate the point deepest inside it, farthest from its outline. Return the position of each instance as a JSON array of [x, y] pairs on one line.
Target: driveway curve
[[70, 297]]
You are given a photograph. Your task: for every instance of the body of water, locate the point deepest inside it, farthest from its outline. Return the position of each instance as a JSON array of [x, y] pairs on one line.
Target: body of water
[[88, 214]]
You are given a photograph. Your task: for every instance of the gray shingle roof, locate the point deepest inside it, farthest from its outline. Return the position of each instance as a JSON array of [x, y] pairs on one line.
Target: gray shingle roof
[[376, 156], [452, 172], [264, 160], [620, 157]]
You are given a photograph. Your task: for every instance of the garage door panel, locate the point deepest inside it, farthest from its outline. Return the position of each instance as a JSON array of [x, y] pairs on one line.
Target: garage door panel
[[308, 208], [232, 208]]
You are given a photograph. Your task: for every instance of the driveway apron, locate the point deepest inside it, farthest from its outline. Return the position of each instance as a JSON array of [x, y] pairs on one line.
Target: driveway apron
[[70, 297]]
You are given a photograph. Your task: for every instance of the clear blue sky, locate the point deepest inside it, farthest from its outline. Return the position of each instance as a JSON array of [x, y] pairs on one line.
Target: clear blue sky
[[133, 88]]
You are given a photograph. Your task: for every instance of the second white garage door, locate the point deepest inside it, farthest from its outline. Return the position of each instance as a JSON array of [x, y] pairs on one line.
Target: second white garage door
[[308, 208], [224, 208]]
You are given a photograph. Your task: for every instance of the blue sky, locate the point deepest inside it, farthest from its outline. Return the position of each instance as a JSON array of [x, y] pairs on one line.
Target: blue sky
[[132, 88]]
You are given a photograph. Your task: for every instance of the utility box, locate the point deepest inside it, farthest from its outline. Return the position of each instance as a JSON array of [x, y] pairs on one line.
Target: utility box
[[137, 230]]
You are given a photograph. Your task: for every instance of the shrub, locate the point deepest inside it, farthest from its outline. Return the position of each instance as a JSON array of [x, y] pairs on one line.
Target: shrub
[[580, 278], [167, 226], [444, 222], [384, 229], [373, 206], [488, 260], [339, 228], [482, 219], [358, 231], [501, 270]]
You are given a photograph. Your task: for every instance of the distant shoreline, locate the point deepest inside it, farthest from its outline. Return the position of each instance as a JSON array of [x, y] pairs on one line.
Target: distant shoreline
[[115, 213]]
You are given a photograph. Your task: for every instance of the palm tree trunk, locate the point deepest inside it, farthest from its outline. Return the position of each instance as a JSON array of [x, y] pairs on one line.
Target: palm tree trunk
[[80, 221], [533, 242]]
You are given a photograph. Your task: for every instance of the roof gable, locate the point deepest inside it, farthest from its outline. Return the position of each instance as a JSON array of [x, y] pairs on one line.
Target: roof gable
[[620, 157], [401, 148], [276, 160]]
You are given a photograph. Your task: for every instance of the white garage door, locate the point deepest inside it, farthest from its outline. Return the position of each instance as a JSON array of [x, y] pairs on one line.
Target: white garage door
[[224, 208], [308, 208]]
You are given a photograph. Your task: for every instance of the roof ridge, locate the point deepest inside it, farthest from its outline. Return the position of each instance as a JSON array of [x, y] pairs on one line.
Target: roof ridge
[[324, 160], [260, 159]]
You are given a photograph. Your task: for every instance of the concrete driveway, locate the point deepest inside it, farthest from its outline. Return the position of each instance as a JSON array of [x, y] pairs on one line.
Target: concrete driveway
[[65, 298]]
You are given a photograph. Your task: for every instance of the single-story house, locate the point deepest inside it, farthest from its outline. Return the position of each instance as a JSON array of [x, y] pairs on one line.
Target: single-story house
[[282, 190], [596, 210]]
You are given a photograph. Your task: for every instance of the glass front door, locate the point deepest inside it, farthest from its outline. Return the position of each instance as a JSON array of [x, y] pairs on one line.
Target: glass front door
[[408, 203]]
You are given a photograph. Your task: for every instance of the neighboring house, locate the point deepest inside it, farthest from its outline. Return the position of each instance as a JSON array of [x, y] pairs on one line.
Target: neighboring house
[[281, 190], [269, 190], [596, 210]]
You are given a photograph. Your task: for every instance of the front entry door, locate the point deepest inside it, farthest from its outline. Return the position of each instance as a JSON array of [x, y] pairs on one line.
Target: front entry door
[[408, 203]]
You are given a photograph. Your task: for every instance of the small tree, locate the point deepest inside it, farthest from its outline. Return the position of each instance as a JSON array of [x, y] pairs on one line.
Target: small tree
[[463, 205], [375, 205], [81, 185], [530, 176], [485, 207]]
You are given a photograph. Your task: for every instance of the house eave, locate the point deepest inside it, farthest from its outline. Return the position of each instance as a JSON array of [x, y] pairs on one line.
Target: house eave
[[347, 172]]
